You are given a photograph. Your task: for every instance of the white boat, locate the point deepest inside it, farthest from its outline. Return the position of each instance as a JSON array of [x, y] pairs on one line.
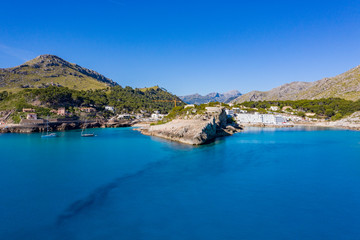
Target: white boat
[[48, 135], [86, 134]]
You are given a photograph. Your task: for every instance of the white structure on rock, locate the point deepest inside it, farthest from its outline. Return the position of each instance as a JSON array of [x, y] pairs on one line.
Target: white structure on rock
[[229, 112]]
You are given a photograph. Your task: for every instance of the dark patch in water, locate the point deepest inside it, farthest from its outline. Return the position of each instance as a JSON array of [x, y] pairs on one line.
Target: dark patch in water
[[99, 195]]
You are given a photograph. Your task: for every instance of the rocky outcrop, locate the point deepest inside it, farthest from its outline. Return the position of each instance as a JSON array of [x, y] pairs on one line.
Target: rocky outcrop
[[195, 130], [351, 122]]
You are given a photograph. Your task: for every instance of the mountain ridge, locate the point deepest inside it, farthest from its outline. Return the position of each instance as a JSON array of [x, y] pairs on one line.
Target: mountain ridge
[[345, 85], [211, 97], [46, 70]]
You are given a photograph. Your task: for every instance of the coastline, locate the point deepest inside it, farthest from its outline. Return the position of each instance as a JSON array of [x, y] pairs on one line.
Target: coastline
[[335, 125], [63, 125], [354, 127]]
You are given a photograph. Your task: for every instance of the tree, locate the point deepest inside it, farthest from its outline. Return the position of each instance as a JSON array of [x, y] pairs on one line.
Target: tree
[[329, 112]]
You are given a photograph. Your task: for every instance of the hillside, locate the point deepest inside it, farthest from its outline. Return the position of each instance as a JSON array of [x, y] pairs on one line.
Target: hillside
[[345, 85], [211, 97], [50, 70], [125, 100]]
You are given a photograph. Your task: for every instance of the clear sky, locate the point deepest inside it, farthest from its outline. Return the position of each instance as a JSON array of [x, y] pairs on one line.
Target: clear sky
[[188, 46]]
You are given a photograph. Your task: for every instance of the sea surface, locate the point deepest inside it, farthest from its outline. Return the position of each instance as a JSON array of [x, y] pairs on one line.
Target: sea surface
[[296, 183]]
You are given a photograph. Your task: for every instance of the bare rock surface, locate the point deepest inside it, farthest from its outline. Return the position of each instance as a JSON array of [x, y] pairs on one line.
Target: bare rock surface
[[195, 130], [345, 85], [351, 122]]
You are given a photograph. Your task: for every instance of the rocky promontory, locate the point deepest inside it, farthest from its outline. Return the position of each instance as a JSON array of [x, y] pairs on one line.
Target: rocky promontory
[[195, 129], [351, 122]]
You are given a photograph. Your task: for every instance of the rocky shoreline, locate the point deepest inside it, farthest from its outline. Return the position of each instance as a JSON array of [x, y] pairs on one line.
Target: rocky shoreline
[[195, 130], [63, 126]]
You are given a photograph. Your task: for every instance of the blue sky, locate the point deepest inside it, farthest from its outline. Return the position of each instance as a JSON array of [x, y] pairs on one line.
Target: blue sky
[[188, 46]]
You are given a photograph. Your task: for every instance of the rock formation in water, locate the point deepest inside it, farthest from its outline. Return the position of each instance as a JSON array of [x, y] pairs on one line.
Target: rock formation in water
[[195, 130]]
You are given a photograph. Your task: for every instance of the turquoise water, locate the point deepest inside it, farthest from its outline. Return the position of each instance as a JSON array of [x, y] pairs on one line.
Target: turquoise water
[[259, 184]]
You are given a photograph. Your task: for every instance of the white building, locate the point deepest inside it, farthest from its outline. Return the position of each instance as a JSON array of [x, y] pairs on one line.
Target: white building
[[124, 116], [260, 118], [229, 112], [310, 114], [274, 108], [31, 116], [236, 110], [157, 116], [189, 106], [109, 108], [213, 109], [139, 116]]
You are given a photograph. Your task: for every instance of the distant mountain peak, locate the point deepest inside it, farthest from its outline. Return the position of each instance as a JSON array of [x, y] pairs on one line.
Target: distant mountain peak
[[211, 97], [47, 60], [232, 92], [47, 69], [48, 56]]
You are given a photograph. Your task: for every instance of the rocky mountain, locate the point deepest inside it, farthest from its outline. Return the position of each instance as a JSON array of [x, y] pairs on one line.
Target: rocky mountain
[[49, 70], [211, 97], [345, 85]]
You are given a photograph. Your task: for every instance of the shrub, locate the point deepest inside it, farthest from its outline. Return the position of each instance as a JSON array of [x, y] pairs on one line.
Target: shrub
[[336, 117]]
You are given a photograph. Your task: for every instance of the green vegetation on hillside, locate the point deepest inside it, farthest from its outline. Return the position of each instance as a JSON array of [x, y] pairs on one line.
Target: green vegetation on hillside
[[50, 70], [125, 100], [181, 111], [335, 108]]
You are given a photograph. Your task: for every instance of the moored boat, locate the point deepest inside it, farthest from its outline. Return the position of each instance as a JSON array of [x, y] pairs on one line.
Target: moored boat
[[86, 134], [48, 135]]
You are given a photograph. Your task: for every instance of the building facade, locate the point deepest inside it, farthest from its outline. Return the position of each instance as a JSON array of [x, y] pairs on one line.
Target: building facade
[[260, 118]]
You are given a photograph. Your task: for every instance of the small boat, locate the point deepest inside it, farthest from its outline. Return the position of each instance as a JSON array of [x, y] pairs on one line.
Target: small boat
[[48, 135], [86, 134]]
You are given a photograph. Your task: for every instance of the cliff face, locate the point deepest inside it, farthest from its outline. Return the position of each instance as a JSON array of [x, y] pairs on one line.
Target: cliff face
[[197, 130]]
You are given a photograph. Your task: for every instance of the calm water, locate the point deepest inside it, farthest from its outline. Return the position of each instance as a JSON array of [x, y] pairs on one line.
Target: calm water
[[260, 184]]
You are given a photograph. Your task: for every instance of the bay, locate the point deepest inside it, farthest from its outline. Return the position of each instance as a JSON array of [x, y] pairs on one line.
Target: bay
[[291, 183]]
